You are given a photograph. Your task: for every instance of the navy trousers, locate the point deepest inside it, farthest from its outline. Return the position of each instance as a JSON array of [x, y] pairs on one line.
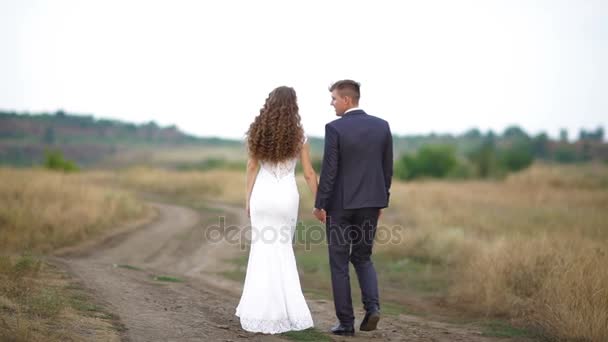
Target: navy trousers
[[350, 237]]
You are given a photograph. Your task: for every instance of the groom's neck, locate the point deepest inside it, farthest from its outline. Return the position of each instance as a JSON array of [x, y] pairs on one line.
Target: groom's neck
[[350, 108]]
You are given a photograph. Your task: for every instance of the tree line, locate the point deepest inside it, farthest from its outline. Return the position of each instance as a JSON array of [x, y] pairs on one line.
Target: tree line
[[489, 155]]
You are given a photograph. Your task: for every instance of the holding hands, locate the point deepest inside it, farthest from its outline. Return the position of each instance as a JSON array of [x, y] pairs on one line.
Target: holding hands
[[320, 214]]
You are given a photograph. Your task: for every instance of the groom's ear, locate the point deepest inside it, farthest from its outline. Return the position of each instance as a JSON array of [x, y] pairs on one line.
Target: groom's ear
[[348, 99]]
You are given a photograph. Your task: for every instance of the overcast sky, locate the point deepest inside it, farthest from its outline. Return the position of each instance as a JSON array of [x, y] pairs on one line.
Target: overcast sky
[[207, 66]]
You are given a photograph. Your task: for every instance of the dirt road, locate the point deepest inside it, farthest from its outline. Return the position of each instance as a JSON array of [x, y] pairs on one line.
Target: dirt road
[[198, 303]]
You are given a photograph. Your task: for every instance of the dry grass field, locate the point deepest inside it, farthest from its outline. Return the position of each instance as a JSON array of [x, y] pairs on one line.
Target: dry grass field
[[43, 210], [530, 249]]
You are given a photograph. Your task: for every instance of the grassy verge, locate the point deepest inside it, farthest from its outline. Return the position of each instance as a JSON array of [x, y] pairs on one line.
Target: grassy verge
[[501, 328], [165, 278], [38, 302], [311, 334]]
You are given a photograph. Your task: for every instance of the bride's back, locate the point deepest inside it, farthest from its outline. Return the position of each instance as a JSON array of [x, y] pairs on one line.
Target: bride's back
[[280, 169]]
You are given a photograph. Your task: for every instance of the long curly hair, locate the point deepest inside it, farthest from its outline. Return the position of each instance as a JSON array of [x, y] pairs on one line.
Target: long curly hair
[[276, 134]]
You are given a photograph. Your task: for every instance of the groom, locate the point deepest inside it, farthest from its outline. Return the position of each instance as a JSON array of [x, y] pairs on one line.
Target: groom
[[353, 189]]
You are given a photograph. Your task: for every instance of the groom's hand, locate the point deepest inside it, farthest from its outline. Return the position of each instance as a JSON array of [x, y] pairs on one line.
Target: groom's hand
[[320, 214]]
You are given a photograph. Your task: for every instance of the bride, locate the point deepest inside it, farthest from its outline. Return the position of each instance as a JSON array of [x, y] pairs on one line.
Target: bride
[[272, 301]]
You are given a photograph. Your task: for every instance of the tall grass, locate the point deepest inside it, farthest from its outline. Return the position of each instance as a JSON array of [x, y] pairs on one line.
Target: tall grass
[[556, 284], [166, 182], [221, 185], [43, 210], [532, 248]]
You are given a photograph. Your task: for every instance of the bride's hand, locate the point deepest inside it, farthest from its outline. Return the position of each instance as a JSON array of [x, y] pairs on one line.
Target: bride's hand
[[320, 214], [247, 209]]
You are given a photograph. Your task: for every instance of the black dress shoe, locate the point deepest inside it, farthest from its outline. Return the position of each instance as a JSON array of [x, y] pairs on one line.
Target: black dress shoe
[[343, 330], [370, 321]]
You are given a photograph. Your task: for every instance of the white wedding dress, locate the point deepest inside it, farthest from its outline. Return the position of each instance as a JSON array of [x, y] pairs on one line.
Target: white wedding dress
[[272, 301]]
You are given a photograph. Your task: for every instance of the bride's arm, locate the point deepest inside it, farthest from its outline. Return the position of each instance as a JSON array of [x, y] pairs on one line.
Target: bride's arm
[[309, 172], [252, 170]]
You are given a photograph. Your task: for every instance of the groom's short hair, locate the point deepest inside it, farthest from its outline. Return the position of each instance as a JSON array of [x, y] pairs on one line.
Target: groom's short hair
[[348, 88]]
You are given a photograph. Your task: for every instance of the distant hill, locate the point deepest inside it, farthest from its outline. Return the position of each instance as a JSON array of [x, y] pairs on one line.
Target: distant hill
[[25, 137], [89, 141]]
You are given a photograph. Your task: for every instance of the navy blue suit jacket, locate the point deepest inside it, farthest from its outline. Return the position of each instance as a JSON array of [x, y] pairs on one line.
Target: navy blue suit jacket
[[357, 163]]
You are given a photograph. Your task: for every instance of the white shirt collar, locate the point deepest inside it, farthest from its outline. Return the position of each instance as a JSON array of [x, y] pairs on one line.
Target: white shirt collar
[[352, 109]]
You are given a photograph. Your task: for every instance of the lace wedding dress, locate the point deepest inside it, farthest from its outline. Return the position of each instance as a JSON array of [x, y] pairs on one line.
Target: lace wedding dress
[[272, 301]]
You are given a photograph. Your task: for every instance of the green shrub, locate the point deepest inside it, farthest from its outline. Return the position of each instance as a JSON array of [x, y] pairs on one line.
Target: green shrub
[[54, 160], [436, 161]]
